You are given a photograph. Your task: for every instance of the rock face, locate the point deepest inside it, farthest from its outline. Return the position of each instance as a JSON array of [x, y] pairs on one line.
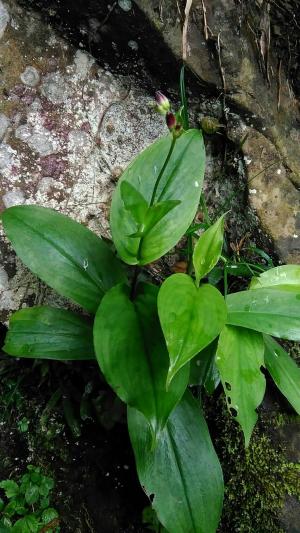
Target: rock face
[[68, 128], [228, 47]]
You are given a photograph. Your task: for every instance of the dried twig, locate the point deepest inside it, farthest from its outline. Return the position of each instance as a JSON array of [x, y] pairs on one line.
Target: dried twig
[[185, 29], [110, 10], [279, 85], [265, 39], [222, 71], [161, 11], [205, 26]]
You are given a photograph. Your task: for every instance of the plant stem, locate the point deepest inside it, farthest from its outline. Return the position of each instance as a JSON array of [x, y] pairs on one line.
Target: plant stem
[[134, 282], [225, 281], [204, 209], [160, 175], [190, 255]]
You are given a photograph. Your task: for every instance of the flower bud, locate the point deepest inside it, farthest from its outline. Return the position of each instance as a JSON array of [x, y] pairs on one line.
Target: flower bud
[[171, 121], [174, 125], [210, 125], [163, 104]]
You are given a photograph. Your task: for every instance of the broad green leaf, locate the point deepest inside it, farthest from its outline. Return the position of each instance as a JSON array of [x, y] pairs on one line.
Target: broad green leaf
[[49, 333], [203, 369], [240, 356], [182, 476], [145, 216], [134, 202], [190, 317], [208, 249], [157, 212], [16, 506], [282, 275], [64, 254], [28, 524], [10, 487], [153, 215], [284, 371], [32, 494], [273, 311], [4, 528], [49, 515], [181, 181], [132, 355]]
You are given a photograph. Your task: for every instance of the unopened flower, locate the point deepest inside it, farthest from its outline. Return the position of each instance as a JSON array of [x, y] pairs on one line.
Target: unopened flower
[[210, 125], [163, 104], [174, 126], [171, 121]]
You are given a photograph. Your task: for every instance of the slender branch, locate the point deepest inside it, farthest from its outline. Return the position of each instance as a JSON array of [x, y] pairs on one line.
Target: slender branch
[[160, 175]]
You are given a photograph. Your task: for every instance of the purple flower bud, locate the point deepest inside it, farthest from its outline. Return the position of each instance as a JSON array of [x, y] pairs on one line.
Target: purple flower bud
[[171, 121], [163, 104], [160, 98]]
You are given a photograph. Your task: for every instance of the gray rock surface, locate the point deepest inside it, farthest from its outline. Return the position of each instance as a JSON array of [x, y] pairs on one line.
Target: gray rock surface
[[70, 128]]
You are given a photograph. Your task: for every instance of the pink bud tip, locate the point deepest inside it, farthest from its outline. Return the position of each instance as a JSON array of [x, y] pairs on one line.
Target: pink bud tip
[[160, 98], [170, 120], [162, 103]]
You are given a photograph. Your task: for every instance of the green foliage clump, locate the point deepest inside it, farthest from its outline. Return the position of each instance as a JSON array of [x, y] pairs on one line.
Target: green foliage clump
[[25, 506], [257, 479]]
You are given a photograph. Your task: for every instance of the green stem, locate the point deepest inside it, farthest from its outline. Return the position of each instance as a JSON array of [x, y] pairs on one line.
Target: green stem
[[160, 175], [225, 281], [190, 255], [204, 209], [134, 282]]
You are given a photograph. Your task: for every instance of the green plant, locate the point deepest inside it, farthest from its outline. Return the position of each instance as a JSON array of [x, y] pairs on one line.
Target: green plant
[[152, 342], [24, 507]]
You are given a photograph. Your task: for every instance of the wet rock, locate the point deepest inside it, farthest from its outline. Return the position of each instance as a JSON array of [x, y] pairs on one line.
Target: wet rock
[[126, 5], [133, 45], [83, 63], [272, 195], [46, 184], [53, 165], [79, 142], [4, 18], [14, 197], [30, 76], [67, 136], [226, 45], [23, 132], [4, 123], [41, 143], [222, 48], [3, 279], [5, 156], [55, 88]]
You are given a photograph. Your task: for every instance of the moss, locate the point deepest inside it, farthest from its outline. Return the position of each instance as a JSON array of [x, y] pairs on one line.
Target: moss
[[257, 480]]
